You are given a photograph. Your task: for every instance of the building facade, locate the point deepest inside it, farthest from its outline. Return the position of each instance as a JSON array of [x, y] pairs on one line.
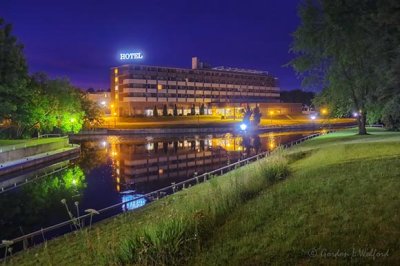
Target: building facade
[[139, 90]]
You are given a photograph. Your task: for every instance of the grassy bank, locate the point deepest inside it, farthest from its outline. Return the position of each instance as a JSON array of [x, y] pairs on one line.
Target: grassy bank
[[341, 205], [341, 194], [5, 143]]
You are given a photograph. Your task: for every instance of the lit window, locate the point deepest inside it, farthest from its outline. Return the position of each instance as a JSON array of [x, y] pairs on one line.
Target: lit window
[[116, 71], [159, 87], [116, 79], [116, 96], [116, 87]]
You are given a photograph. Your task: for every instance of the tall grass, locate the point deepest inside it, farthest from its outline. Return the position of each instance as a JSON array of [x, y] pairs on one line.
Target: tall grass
[[176, 239]]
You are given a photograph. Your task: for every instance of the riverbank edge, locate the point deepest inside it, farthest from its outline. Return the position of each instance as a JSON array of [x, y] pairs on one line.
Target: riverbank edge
[[37, 159], [188, 130]]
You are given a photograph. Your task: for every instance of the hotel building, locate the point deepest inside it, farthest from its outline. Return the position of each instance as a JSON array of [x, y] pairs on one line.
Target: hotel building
[[137, 89]]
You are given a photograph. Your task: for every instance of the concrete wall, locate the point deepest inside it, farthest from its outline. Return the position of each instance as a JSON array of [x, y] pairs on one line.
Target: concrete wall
[[19, 153]]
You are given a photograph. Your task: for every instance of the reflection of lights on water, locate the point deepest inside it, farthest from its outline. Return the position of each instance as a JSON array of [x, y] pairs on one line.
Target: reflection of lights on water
[[114, 153], [160, 171], [104, 144], [272, 145], [117, 171], [149, 146], [133, 204]]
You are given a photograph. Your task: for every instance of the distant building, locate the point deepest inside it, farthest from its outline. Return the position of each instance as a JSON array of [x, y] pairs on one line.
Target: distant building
[[137, 89], [103, 99]]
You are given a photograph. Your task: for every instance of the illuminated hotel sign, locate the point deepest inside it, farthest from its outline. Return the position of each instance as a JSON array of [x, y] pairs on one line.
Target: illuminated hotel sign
[[131, 56]]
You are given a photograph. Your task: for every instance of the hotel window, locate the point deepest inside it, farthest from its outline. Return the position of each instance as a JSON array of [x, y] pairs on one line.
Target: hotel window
[[116, 79], [116, 87], [116, 71]]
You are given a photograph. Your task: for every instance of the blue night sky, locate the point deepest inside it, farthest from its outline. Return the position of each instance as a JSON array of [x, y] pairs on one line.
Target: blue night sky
[[81, 39]]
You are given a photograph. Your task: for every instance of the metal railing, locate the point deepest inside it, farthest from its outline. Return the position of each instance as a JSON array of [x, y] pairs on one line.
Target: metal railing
[[51, 136], [174, 187]]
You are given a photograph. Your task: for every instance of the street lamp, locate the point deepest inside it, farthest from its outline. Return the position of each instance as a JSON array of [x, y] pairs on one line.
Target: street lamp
[[325, 112]]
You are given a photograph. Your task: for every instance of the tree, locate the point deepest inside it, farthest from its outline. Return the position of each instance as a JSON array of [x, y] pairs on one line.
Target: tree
[[175, 110], [165, 110], [57, 105], [247, 114], [202, 108], [93, 112], [391, 114], [193, 110], [155, 111], [14, 93], [339, 46], [256, 116]]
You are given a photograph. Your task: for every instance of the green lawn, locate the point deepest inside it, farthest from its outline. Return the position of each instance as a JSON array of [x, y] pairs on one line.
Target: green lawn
[[337, 202], [342, 195], [27, 142]]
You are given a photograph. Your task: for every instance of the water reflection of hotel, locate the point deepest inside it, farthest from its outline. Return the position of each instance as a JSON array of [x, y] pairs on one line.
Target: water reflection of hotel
[[150, 164], [138, 163]]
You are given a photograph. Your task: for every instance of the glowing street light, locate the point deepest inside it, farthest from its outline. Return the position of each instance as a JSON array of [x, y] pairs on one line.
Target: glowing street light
[[324, 111], [243, 126], [355, 114]]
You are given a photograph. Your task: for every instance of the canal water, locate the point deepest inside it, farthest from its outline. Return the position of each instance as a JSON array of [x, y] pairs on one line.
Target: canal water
[[115, 169]]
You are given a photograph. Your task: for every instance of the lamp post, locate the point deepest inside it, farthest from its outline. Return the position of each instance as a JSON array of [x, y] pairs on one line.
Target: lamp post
[[325, 112]]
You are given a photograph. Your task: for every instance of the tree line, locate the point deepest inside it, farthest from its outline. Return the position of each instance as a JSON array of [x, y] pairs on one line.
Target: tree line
[[351, 48], [33, 104]]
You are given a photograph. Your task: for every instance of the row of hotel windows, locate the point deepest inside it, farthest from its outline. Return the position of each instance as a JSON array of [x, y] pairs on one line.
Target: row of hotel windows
[[172, 95], [267, 81], [173, 87], [262, 82]]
